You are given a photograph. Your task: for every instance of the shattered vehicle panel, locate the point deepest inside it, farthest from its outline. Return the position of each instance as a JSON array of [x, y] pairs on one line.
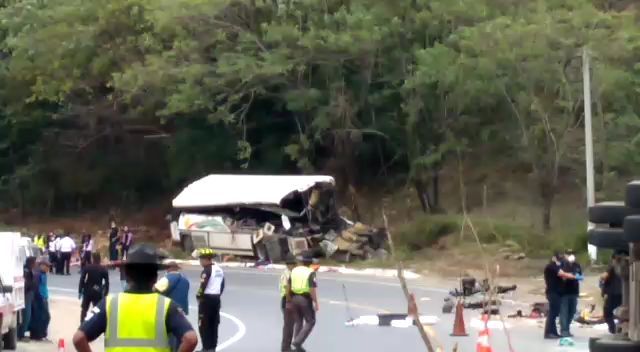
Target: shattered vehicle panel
[[301, 217]]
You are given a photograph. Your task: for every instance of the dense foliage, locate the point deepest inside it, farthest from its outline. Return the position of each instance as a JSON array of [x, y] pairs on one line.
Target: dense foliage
[[115, 102]]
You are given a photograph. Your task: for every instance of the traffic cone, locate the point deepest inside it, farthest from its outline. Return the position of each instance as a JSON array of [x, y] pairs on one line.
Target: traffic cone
[[60, 345], [458, 323], [482, 345]]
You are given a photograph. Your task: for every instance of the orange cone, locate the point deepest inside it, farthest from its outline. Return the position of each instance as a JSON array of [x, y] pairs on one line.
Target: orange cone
[[458, 323], [482, 345], [61, 345]]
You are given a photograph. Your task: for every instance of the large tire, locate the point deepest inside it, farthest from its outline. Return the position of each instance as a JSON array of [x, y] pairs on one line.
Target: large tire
[[608, 238], [632, 228], [612, 213], [10, 339], [632, 195], [592, 342], [610, 345]]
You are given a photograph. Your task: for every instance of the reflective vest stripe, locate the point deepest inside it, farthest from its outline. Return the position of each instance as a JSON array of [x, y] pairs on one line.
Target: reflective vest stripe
[[284, 281], [300, 280], [112, 340]]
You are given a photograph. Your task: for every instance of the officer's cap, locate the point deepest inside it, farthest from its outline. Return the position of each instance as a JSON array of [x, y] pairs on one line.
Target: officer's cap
[[144, 254], [290, 259]]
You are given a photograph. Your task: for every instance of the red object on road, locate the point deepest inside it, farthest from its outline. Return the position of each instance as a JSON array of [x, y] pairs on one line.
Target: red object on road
[[458, 322], [61, 345], [482, 345]]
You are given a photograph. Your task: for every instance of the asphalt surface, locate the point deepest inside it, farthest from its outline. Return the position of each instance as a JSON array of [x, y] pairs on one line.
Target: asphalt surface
[[252, 320]]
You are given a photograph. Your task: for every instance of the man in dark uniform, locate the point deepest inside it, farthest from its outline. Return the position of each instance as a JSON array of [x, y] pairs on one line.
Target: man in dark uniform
[[570, 293], [133, 313], [303, 296], [553, 277], [93, 286], [612, 290], [211, 288]]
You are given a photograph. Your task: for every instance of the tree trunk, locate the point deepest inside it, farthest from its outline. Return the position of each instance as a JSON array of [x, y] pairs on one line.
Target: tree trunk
[[435, 191], [423, 195], [547, 196]]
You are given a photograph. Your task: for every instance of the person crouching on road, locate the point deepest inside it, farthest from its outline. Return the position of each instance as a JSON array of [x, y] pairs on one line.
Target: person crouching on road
[[138, 319], [211, 288], [176, 287], [304, 298], [93, 286], [288, 311], [553, 277]]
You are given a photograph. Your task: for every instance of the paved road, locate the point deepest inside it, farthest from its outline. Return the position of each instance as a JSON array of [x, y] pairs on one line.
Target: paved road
[[252, 320]]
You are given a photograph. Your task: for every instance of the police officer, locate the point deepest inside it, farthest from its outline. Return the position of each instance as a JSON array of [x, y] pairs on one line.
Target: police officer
[[211, 288], [93, 286], [304, 298], [288, 311], [138, 319]]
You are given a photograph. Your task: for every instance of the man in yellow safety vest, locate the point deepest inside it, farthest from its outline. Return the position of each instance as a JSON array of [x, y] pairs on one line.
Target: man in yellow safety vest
[[138, 319], [303, 298], [288, 313]]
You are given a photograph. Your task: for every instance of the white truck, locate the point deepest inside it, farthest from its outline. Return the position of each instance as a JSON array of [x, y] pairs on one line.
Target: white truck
[[12, 257], [226, 212]]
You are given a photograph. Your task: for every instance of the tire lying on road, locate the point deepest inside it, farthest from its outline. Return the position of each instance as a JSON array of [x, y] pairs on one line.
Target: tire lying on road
[[610, 345], [632, 228], [632, 195], [608, 238], [608, 213], [10, 339]]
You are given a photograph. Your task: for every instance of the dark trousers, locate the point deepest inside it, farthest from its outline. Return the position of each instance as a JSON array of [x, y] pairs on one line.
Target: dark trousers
[[209, 321], [568, 309], [26, 314], [40, 318], [65, 262], [125, 250], [113, 253], [304, 317], [289, 327], [53, 259], [611, 302], [86, 258], [89, 298], [555, 302]]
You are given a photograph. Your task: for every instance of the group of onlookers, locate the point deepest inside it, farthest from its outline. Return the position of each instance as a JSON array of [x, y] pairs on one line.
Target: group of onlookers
[[36, 315], [562, 277], [120, 240]]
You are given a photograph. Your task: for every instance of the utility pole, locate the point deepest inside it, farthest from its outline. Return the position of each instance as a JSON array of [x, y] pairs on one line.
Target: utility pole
[[588, 141]]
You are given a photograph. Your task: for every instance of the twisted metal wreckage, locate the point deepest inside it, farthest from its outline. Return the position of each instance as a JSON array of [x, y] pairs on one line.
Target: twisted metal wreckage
[[269, 217]]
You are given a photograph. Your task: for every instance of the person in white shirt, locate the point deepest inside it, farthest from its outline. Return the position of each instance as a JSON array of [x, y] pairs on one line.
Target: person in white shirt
[[67, 246], [211, 288], [52, 250]]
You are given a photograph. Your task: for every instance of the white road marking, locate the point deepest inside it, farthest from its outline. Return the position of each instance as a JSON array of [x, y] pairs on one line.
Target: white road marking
[[242, 329]]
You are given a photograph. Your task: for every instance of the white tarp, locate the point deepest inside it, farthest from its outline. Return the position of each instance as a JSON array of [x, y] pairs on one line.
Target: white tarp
[[227, 190]]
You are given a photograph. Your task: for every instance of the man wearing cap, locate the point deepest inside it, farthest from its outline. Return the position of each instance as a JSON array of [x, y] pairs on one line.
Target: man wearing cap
[[570, 292], [303, 296], [138, 319], [211, 288], [288, 311], [175, 286]]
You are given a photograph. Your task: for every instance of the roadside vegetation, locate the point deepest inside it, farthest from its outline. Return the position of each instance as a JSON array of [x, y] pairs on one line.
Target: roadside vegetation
[[437, 105]]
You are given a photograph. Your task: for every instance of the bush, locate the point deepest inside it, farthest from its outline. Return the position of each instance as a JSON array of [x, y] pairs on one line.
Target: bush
[[424, 232]]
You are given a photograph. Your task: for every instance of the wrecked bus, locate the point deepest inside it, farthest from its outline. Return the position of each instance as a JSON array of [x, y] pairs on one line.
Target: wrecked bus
[[268, 217]]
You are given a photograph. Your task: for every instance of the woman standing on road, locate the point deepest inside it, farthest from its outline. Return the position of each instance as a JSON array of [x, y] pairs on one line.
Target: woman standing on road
[[40, 316]]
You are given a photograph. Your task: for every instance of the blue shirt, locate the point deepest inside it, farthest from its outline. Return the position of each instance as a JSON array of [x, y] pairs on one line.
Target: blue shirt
[[41, 280], [178, 290]]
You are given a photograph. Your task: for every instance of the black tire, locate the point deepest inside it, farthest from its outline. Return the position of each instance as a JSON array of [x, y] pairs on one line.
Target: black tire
[[610, 345], [632, 195], [592, 342], [608, 238], [632, 228], [608, 213], [10, 339]]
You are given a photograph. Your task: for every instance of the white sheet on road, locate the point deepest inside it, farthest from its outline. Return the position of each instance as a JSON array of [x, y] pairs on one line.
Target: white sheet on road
[[226, 190]]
